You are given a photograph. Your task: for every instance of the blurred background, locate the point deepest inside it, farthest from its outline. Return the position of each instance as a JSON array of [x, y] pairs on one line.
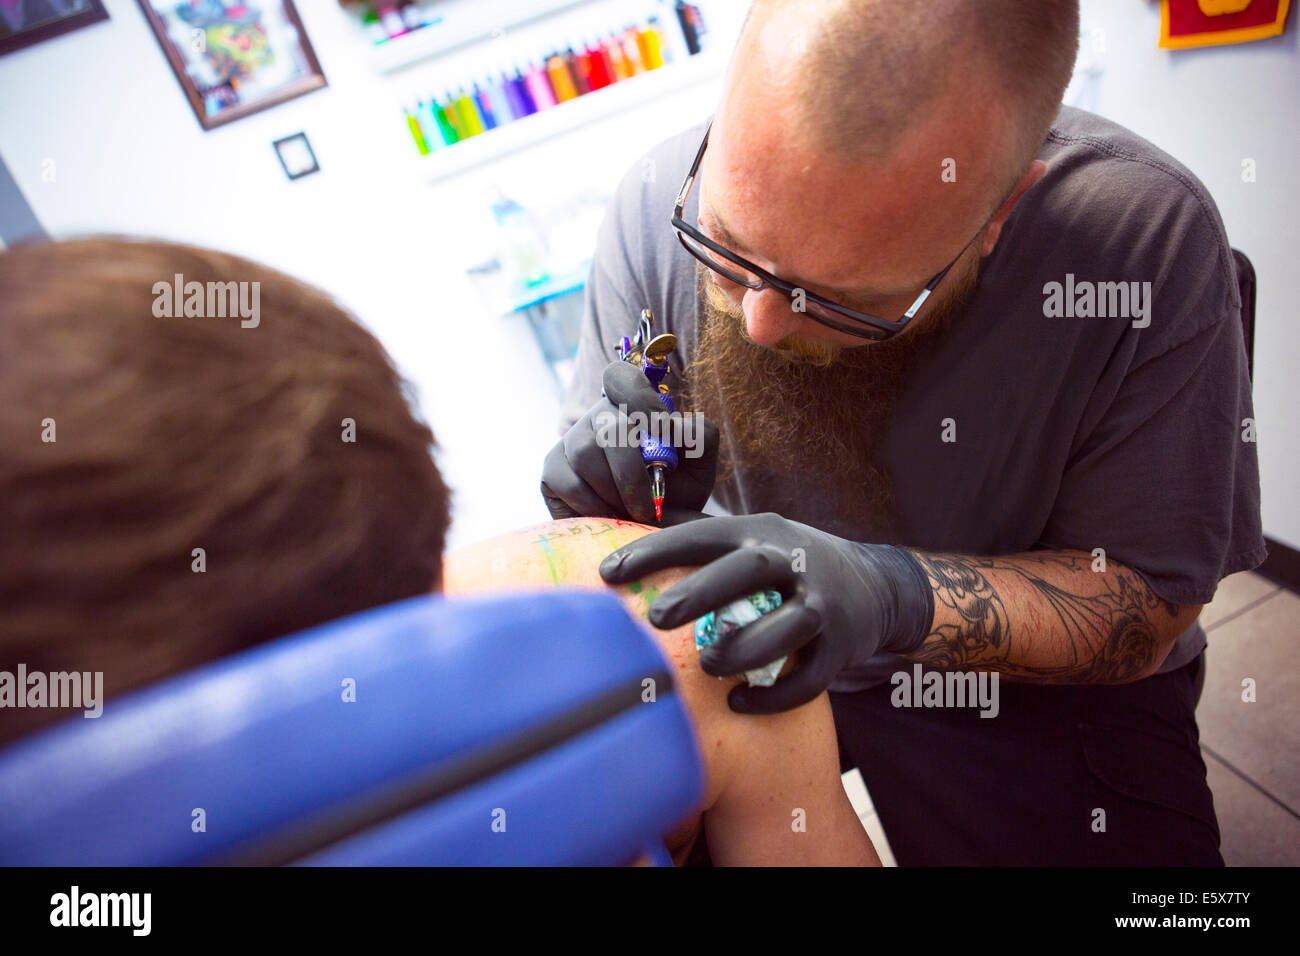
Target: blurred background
[[455, 210]]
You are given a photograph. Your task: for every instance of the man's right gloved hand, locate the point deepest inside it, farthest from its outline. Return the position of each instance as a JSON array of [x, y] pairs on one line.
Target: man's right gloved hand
[[589, 472]]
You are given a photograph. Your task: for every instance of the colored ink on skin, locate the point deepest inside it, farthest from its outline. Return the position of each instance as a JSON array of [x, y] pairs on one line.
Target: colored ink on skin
[[549, 554], [647, 594]]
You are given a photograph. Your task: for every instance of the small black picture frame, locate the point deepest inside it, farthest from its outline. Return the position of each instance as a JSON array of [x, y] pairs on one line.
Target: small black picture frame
[[16, 36], [296, 156]]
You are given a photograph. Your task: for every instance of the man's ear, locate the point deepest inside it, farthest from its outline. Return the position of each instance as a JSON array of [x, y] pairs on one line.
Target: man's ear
[[1032, 175]]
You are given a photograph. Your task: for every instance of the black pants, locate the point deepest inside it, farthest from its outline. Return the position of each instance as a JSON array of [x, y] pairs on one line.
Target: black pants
[[1025, 787]]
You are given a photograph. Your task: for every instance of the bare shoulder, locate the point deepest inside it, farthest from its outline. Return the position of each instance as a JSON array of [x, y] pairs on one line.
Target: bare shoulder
[[567, 553], [758, 769]]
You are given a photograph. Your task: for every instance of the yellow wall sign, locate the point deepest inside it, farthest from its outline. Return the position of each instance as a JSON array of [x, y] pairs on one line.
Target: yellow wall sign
[[1187, 23]]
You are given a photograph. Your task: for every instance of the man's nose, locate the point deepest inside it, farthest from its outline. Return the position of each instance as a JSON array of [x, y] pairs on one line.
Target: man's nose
[[768, 316]]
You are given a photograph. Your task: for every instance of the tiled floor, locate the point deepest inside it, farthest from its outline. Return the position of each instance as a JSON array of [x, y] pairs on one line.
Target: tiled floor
[[1251, 749]]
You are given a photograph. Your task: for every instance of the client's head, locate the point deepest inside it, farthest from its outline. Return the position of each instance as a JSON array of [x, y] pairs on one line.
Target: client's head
[[176, 486]]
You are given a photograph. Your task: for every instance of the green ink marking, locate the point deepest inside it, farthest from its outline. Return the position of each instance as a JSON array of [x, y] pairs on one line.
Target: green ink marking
[[649, 598], [648, 595], [551, 558]]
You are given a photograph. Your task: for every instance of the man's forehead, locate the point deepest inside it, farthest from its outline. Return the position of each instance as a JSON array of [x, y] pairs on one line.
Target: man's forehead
[[842, 222], [835, 228]]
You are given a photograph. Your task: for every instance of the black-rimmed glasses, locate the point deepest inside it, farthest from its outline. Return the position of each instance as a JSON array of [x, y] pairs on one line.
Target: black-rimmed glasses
[[737, 269]]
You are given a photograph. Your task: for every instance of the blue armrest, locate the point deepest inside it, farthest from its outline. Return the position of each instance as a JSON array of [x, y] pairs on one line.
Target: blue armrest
[[512, 729]]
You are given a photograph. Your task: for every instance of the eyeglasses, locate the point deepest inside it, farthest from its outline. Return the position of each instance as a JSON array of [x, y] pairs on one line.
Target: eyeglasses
[[741, 271]]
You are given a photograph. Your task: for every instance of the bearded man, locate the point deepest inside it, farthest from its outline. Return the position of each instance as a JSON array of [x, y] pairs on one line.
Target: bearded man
[[939, 468]]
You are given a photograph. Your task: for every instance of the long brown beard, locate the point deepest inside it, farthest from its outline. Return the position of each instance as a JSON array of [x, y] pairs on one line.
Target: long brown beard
[[820, 415]]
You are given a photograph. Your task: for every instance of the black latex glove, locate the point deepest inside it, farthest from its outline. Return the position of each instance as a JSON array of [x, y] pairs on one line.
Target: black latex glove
[[841, 601], [583, 477]]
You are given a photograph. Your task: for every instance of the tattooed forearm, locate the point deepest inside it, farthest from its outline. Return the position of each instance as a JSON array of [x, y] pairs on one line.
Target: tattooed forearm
[[1046, 616]]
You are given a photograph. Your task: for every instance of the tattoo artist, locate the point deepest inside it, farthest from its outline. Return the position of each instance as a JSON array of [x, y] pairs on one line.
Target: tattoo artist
[[894, 267]]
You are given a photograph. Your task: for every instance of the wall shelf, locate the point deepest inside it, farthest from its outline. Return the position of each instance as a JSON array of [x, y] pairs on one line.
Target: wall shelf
[[462, 24], [626, 95]]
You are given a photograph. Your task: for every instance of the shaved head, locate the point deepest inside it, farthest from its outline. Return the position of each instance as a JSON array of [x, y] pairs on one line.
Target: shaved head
[[859, 148], [864, 71], [861, 145]]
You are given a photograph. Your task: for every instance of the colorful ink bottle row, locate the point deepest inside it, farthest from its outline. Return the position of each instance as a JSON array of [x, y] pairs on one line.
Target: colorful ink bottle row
[[478, 107]]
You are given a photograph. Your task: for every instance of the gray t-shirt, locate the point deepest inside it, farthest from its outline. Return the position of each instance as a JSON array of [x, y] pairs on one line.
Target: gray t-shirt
[[1076, 433]]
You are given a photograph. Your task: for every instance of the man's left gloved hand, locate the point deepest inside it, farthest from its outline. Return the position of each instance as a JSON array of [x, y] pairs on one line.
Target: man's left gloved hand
[[842, 601]]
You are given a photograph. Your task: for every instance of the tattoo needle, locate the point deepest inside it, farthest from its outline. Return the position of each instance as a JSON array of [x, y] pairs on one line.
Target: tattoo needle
[[651, 356]]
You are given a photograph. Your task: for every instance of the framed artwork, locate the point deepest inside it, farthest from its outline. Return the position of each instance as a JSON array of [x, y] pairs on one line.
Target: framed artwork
[[234, 58], [24, 22], [296, 155]]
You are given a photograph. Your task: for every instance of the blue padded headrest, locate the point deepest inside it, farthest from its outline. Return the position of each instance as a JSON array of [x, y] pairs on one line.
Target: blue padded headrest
[[502, 730]]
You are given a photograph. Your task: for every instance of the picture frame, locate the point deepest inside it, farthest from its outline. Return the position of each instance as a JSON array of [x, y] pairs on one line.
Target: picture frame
[[296, 156], [22, 26], [234, 58]]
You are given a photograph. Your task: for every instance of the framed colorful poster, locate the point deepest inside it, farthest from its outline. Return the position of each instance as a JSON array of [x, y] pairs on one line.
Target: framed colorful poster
[[234, 58], [24, 22]]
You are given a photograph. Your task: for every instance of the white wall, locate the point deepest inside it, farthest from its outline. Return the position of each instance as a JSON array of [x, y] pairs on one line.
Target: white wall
[[1210, 109], [128, 156]]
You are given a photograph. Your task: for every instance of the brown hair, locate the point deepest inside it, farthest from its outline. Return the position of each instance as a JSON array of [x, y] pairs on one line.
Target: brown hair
[[176, 433]]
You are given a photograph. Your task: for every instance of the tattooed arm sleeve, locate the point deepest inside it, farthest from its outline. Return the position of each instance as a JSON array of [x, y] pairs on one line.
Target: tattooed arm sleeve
[[1059, 617]]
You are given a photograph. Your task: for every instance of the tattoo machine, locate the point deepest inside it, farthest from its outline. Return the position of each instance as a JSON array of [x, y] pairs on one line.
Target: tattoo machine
[[651, 356]]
